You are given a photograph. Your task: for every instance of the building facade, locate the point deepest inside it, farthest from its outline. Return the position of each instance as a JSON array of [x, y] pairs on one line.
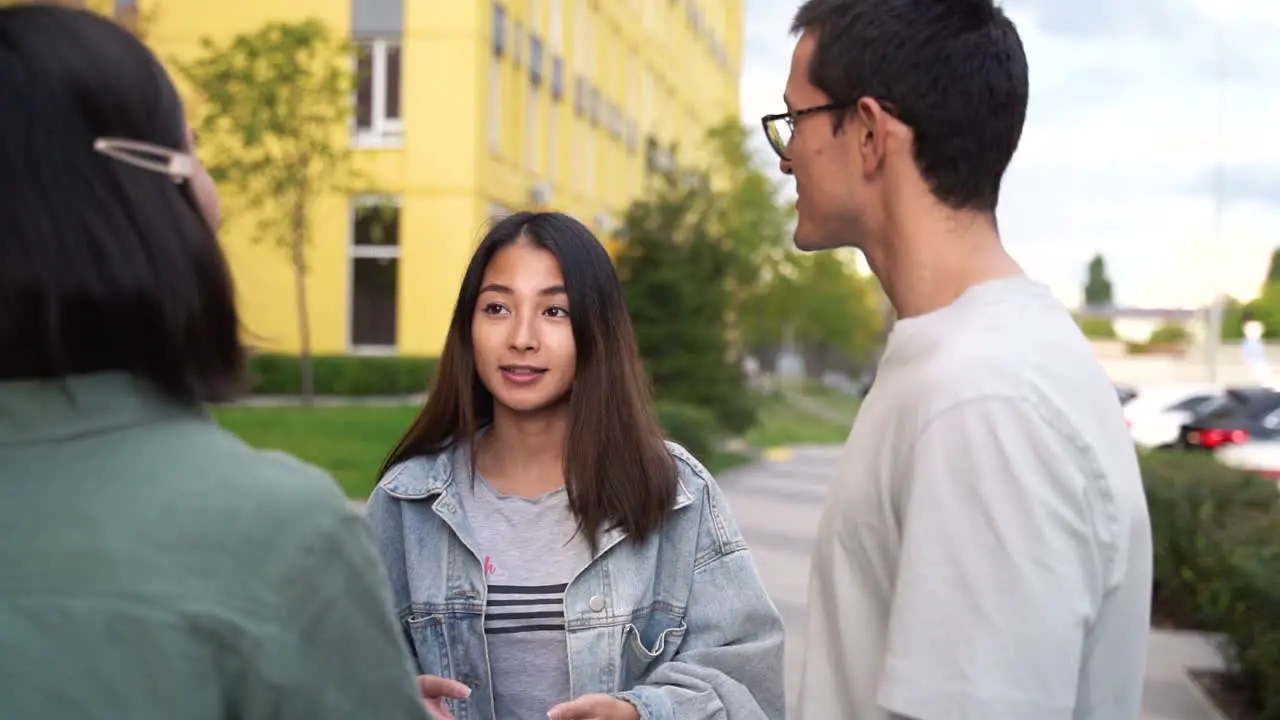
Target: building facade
[[467, 110]]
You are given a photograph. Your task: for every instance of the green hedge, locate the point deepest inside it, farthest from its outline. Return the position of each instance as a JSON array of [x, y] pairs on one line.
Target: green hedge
[[693, 427], [349, 375], [1217, 561]]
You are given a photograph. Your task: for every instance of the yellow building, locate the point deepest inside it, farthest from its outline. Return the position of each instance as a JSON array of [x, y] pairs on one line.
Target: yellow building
[[471, 109]]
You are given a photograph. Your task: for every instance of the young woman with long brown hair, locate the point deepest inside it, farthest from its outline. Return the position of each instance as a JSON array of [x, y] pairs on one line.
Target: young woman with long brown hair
[[549, 553]]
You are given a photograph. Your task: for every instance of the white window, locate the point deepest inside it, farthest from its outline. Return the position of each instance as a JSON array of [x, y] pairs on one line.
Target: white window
[[495, 105], [378, 119], [375, 270]]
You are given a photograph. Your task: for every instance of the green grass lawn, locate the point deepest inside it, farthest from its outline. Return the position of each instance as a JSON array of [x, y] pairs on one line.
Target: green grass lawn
[[351, 442], [838, 400], [781, 423]]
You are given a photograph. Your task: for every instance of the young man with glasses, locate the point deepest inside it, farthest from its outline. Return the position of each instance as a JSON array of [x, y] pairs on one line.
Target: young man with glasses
[[985, 552]]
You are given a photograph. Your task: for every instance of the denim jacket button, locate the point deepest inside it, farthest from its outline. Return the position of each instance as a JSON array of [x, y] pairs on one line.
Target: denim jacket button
[[596, 603]]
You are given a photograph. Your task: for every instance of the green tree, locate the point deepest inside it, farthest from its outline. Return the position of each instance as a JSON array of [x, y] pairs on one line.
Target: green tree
[[831, 311], [750, 217], [836, 318], [1097, 286], [1169, 333], [673, 269], [1233, 319], [275, 104], [1273, 270]]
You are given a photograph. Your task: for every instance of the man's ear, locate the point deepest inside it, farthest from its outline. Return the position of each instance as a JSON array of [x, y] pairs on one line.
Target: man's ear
[[869, 124]]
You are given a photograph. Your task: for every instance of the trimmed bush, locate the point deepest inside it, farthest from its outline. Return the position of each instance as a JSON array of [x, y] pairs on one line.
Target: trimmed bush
[[1217, 561], [346, 375], [693, 427]]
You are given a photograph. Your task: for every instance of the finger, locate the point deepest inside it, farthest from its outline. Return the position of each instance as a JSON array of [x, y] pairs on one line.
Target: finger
[[432, 686], [587, 707]]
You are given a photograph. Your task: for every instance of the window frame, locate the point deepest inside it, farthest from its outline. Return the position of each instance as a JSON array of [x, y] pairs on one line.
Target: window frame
[[371, 252], [383, 131]]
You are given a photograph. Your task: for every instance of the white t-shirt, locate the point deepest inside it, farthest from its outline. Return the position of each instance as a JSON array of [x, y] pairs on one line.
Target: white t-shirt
[[985, 551]]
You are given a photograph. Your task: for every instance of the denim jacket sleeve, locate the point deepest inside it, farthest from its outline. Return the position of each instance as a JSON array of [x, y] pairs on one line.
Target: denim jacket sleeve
[[730, 663], [383, 518]]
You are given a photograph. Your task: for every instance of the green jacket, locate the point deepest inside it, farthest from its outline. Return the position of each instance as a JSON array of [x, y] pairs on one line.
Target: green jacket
[[155, 566]]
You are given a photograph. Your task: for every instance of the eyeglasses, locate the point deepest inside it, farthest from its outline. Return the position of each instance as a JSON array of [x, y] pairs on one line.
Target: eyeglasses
[[779, 128]]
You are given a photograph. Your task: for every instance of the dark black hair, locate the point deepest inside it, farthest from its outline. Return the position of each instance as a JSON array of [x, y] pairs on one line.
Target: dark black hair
[[103, 266], [952, 70], [618, 471]]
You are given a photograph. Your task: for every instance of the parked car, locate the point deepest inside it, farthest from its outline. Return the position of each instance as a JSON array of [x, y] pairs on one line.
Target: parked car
[[1259, 456], [1241, 416], [1156, 413]]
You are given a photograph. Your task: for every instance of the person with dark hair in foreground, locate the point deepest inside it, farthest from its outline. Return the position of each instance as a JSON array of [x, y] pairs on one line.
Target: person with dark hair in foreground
[[546, 546], [153, 565], [985, 551]]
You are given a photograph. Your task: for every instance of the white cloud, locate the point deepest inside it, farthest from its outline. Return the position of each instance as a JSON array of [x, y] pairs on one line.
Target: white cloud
[[1125, 125]]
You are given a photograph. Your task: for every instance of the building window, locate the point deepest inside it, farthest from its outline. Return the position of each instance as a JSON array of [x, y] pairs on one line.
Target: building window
[[375, 266], [533, 133], [535, 60], [378, 118], [557, 77], [517, 37], [499, 30]]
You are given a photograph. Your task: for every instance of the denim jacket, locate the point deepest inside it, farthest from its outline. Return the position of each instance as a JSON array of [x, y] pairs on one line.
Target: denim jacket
[[679, 625]]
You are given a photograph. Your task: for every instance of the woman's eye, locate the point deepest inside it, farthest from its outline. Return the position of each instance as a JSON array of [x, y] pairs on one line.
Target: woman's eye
[[494, 309], [557, 312]]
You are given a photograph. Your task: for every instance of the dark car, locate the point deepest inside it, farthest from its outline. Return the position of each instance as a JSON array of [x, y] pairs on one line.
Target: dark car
[[1240, 415]]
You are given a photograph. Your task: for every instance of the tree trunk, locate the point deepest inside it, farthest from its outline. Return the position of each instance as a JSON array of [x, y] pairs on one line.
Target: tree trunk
[[298, 242]]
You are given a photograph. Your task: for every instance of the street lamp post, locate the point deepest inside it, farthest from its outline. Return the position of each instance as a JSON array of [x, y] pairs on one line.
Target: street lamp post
[[1213, 342]]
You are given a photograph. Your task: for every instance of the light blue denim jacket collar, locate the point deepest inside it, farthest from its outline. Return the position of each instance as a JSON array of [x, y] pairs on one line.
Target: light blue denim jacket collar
[[437, 479]]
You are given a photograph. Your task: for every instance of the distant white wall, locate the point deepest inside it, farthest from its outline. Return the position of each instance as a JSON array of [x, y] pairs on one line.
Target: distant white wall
[[1192, 367]]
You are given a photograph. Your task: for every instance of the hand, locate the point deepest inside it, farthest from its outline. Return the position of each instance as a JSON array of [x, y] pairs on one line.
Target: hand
[[435, 689], [595, 707]]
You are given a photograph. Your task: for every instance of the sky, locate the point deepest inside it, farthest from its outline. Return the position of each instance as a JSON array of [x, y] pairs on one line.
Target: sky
[[1132, 108]]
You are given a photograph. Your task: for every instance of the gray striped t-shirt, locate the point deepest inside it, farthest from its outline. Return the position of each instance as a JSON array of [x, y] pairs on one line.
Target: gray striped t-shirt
[[531, 550]]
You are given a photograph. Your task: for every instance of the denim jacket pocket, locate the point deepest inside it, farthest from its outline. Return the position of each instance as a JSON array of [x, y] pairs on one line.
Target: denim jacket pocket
[[430, 643], [649, 644]]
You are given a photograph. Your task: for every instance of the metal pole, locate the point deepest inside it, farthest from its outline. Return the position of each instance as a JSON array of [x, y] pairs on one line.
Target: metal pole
[[1213, 342]]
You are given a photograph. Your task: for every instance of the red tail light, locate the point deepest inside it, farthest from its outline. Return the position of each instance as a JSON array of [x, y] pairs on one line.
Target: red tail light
[[1216, 437]]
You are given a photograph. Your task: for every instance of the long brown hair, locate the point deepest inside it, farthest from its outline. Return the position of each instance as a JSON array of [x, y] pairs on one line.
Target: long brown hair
[[617, 470]]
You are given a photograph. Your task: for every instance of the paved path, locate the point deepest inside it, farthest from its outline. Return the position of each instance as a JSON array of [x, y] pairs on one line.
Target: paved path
[[777, 503]]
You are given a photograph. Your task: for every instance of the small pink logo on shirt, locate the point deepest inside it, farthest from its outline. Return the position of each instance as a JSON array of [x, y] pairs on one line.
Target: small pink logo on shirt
[[489, 569]]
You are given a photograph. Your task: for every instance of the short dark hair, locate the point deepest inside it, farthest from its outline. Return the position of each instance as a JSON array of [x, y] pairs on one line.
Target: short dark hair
[[618, 471], [103, 266], [953, 70]]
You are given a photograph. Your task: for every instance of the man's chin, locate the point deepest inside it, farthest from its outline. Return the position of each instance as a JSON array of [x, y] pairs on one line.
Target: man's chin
[[808, 241]]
